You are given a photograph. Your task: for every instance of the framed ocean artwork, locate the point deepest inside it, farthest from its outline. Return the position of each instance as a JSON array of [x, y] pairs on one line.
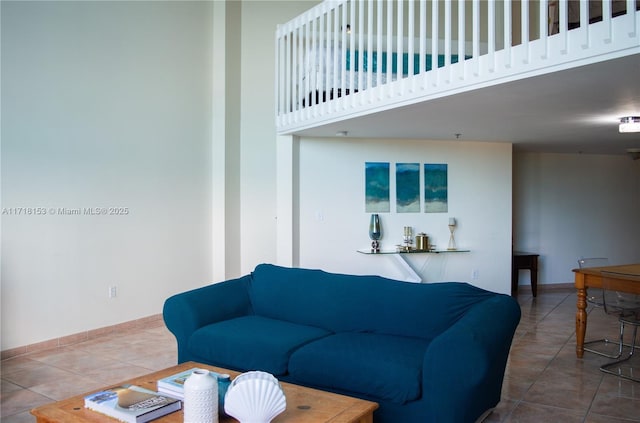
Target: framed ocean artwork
[[436, 191], [407, 187], [377, 198]]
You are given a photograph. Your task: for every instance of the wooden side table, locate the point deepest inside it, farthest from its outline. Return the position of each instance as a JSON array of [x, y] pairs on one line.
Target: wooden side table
[[527, 261]]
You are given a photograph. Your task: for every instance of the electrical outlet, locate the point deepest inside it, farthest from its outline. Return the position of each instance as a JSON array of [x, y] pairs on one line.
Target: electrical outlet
[[475, 274], [113, 291]]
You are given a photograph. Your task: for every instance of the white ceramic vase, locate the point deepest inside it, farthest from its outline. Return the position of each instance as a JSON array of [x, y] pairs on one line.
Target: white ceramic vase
[[201, 398]]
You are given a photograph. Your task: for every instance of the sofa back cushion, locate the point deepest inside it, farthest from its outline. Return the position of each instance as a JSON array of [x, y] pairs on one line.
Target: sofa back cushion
[[339, 302]]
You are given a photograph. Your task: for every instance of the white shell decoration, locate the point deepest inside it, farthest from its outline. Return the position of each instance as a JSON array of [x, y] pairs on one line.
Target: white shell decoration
[[255, 397]]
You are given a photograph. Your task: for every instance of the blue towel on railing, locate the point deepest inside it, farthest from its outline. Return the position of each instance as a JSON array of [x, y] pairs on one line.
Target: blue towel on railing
[[394, 61]]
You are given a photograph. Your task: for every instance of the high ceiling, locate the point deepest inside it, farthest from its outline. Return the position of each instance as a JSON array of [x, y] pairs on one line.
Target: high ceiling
[[571, 111]]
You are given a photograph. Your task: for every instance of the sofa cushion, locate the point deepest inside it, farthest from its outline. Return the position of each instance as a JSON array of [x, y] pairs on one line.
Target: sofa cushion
[[383, 367], [252, 343], [348, 303]]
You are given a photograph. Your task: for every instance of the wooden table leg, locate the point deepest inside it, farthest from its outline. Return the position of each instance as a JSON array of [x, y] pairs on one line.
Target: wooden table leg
[[534, 275], [514, 279], [581, 321]]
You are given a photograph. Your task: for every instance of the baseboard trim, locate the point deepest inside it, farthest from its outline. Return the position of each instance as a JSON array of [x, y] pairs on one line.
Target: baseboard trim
[[556, 286], [548, 286], [149, 322]]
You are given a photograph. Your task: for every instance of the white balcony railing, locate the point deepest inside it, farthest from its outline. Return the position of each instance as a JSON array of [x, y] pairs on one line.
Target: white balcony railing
[[348, 58]]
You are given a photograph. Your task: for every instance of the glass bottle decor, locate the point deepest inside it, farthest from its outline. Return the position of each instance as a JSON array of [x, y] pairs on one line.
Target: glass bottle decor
[[201, 397], [375, 233], [407, 238]]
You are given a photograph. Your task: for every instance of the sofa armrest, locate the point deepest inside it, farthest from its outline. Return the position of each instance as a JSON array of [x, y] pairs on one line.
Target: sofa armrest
[[188, 311], [464, 366]]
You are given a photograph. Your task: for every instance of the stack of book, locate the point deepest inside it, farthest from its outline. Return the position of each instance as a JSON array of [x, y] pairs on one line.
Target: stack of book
[[174, 385], [132, 404]]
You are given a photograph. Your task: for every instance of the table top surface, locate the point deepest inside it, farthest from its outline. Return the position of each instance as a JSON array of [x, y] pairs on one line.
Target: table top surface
[[629, 269], [304, 405], [524, 253], [622, 277]]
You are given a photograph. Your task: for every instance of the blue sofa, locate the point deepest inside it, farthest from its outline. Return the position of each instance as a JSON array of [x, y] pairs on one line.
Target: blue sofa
[[425, 352]]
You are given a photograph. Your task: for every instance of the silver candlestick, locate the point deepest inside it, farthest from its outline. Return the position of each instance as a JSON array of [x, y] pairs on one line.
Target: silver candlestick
[[452, 228]]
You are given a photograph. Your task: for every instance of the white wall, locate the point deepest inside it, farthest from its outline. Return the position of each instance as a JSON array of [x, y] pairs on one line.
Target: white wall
[[257, 128], [568, 206], [110, 104], [141, 105], [104, 104], [333, 223]]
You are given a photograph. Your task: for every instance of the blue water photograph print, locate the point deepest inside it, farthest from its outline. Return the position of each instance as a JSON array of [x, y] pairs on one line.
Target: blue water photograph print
[[436, 191], [377, 187], [407, 187]]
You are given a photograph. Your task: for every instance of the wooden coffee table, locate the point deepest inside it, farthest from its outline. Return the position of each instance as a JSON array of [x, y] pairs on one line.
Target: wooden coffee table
[[304, 405]]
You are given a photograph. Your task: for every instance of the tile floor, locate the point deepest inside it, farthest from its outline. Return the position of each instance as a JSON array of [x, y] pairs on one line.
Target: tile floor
[[544, 379]]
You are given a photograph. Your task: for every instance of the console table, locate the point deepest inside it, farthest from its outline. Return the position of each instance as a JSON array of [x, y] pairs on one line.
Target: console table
[[527, 261], [399, 257]]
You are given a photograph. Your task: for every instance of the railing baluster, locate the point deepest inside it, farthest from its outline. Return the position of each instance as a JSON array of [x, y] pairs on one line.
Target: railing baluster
[[399, 46], [344, 48], [491, 35], [564, 25], [447, 43], [389, 47], [461, 37], [349, 100], [361, 50], [292, 96], [315, 48], [278, 87], [297, 66], [606, 18], [352, 53], [308, 87], [434, 42], [326, 36], [286, 88], [524, 33], [584, 22], [423, 41], [507, 33], [370, 50], [380, 49], [476, 36], [631, 15], [337, 55], [544, 27], [322, 53], [410, 46]]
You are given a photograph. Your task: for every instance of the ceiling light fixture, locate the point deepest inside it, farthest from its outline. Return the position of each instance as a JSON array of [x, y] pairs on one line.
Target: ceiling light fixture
[[630, 124]]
